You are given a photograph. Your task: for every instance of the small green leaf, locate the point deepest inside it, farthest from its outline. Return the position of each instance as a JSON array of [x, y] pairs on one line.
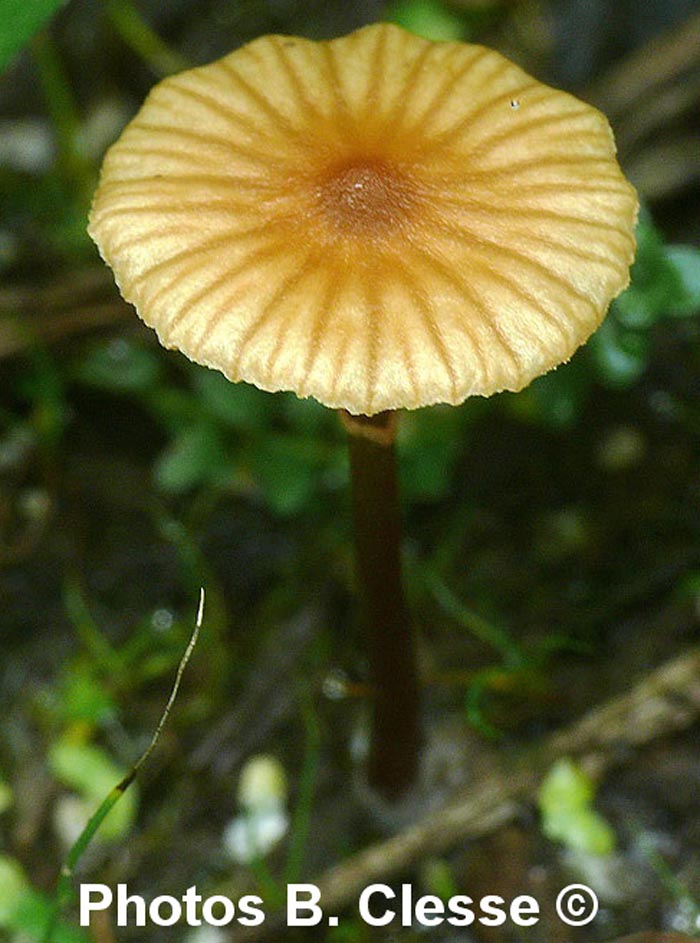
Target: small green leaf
[[426, 474], [287, 468], [586, 831], [560, 395], [686, 262], [195, 456], [307, 416], [430, 443], [239, 405], [177, 409], [566, 787], [557, 398], [620, 355], [664, 280], [32, 916], [84, 698], [565, 802], [118, 366], [19, 21], [90, 772], [428, 18], [13, 883]]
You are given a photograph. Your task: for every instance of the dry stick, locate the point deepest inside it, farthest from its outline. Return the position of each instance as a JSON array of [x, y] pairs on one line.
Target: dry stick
[[665, 701], [82, 301], [665, 59], [647, 96], [663, 111], [666, 167]]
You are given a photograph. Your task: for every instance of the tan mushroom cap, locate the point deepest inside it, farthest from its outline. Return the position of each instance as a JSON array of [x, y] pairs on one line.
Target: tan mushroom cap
[[378, 221]]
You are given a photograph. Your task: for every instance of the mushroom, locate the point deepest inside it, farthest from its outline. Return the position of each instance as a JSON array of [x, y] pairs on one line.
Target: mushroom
[[380, 222]]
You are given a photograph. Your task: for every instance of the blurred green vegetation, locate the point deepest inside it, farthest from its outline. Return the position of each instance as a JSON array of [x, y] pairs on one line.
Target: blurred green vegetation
[[20, 21]]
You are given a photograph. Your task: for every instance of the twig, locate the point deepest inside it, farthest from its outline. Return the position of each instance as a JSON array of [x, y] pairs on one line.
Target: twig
[[649, 97], [666, 167], [79, 285], [667, 700], [665, 59], [82, 301]]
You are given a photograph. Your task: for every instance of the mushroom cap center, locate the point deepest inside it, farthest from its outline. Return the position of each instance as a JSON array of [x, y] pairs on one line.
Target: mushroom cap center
[[366, 196]]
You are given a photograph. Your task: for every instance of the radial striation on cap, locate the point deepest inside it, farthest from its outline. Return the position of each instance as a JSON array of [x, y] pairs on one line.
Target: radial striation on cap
[[377, 221]]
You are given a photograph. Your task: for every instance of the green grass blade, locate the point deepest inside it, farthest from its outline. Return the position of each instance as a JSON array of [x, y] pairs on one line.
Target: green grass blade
[[64, 889]]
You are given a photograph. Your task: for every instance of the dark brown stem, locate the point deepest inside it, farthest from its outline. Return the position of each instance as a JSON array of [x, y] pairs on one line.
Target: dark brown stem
[[395, 735]]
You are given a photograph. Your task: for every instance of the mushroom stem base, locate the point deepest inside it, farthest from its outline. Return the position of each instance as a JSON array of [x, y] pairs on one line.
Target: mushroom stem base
[[396, 732]]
